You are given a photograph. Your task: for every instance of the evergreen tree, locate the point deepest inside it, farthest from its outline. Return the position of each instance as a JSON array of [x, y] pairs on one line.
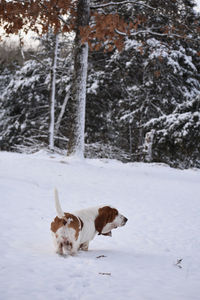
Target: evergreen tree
[[68, 16], [25, 102], [176, 139], [142, 100], [157, 71]]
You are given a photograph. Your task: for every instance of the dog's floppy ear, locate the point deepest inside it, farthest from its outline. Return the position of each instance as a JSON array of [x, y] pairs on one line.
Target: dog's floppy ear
[[106, 215], [100, 222]]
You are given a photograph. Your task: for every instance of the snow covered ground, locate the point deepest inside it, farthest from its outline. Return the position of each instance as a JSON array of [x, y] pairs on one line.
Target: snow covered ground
[[139, 262]]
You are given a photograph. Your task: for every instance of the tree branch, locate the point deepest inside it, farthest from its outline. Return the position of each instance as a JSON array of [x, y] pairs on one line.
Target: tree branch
[[120, 3], [57, 125], [150, 32]]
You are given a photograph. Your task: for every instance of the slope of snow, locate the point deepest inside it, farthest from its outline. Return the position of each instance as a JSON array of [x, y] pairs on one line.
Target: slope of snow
[[138, 262]]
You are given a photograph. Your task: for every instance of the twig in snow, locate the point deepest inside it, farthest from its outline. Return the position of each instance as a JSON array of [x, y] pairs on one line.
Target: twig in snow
[[109, 274], [100, 256], [178, 263]]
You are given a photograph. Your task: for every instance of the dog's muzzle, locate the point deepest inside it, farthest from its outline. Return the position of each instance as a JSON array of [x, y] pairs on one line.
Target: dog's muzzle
[[124, 220]]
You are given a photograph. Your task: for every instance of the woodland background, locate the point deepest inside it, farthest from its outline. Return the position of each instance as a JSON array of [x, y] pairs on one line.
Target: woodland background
[[143, 102]]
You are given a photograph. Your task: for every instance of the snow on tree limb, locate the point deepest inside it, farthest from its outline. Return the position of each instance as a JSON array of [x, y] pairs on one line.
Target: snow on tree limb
[[120, 3]]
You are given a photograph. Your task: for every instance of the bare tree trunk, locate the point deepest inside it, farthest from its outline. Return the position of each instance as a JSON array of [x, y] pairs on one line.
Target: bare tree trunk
[[62, 111], [21, 46], [148, 144], [53, 92], [76, 138]]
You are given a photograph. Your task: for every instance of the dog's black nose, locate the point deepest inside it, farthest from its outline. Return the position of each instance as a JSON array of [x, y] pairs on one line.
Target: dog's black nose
[[125, 219]]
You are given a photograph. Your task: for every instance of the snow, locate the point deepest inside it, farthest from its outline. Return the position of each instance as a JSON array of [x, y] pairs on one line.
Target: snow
[[140, 260], [197, 5], [93, 88]]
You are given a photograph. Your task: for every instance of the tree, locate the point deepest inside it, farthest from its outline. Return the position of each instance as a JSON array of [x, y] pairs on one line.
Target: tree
[[177, 136], [66, 16], [76, 143], [53, 94], [27, 93], [22, 103], [156, 72]]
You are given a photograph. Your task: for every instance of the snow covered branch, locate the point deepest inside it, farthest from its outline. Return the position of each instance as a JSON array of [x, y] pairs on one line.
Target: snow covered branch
[[150, 32], [62, 111], [120, 3]]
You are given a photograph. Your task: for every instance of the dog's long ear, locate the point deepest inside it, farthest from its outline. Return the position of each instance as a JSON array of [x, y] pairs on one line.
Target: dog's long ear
[[100, 222], [106, 215], [59, 210]]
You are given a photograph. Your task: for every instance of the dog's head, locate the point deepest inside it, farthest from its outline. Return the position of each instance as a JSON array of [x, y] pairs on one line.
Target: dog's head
[[66, 231], [108, 218]]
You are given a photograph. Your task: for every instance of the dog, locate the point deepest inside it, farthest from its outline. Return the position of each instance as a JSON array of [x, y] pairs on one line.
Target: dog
[[74, 231]]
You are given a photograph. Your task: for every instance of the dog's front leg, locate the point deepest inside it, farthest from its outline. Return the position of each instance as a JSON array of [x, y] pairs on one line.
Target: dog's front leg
[[84, 246]]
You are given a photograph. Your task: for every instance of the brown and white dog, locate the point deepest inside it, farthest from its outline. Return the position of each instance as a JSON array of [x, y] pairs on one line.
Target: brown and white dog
[[72, 232]]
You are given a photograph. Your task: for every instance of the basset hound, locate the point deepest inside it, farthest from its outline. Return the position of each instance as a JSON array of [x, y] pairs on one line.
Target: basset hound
[[74, 231]]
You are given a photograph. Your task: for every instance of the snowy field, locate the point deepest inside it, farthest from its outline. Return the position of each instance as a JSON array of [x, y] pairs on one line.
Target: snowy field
[[156, 256]]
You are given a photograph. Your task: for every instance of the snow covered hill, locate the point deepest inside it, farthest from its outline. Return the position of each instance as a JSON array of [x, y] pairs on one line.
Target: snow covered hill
[[156, 256]]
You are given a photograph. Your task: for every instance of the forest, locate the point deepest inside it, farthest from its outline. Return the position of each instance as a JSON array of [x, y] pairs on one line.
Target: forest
[[142, 82]]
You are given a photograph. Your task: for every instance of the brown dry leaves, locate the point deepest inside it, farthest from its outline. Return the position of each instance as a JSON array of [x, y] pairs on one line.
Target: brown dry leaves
[[106, 29], [35, 15]]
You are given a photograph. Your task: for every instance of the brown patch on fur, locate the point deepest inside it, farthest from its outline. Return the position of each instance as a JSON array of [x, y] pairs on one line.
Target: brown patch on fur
[[81, 223], [71, 220], [57, 223], [74, 223], [106, 215]]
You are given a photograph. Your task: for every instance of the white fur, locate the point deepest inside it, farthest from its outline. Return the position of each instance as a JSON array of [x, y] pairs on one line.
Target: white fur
[[62, 237], [88, 217], [119, 221], [59, 210]]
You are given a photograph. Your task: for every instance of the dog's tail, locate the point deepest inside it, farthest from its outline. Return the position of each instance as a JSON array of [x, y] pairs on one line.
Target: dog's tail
[[59, 210]]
